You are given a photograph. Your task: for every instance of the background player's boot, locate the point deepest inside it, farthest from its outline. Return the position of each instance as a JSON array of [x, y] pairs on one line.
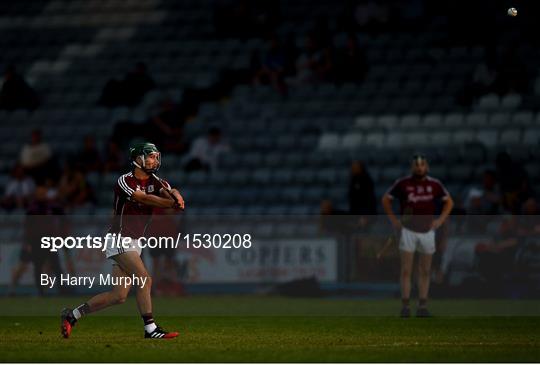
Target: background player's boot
[[67, 321], [405, 312], [160, 333], [423, 312]]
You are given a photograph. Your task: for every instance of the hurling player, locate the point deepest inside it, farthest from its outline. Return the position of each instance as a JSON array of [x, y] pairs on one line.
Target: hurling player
[[137, 193], [418, 195]]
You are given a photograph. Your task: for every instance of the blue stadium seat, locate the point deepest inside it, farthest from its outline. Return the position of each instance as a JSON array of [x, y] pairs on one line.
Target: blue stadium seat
[[532, 137], [523, 118], [510, 137], [498, 120]]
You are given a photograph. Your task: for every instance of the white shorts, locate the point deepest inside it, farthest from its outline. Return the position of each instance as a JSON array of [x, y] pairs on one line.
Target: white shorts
[[411, 241], [110, 252]]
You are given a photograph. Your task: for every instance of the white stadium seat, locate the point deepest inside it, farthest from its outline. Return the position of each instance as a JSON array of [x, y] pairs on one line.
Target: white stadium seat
[[375, 139], [454, 120], [365, 121], [488, 102], [329, 141], [410, 121], [488, 137], [351, 141], [433, 120]]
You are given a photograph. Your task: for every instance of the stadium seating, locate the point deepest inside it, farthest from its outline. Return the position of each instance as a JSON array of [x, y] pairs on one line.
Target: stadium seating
[[298, 147]]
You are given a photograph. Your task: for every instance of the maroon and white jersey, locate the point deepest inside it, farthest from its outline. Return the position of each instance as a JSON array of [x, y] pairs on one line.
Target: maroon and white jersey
[[418, 199], [130, 217]]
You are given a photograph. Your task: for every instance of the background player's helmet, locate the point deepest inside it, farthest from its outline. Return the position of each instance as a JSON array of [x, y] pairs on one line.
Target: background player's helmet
[[418, 157], [142, 150], [419, 165]]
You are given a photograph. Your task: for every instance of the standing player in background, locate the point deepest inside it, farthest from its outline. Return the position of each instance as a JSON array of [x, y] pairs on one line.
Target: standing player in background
[[137, 193], [418, 195]]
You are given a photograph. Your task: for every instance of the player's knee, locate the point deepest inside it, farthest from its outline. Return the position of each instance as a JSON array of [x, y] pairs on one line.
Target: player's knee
[[120, 297], [405, 273]]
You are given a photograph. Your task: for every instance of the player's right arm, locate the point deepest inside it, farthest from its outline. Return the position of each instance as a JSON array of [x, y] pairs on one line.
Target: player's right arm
[[152, 200], [387, 199], [387, 206], [127, 188]]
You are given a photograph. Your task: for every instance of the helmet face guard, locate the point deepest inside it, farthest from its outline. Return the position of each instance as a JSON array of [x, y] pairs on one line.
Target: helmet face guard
[[146, 152], [419, 160]]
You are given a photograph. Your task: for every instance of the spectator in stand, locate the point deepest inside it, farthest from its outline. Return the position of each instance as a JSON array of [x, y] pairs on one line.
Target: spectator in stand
[[37, 226], [362, 199], [314, 64], [130, 90], [35, 157], [514, 183], [114, 158], [484, 79], [19, 190], [167, 128], [529, 222], [351, 62], [495, 256], [484, 200], [272, 68], [74, 190], [371, 16], [137, 83], [205, 151], [16, 93], [89, 156]]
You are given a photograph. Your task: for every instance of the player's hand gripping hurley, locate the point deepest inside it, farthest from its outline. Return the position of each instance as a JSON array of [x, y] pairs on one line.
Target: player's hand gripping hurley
[[168, 189]]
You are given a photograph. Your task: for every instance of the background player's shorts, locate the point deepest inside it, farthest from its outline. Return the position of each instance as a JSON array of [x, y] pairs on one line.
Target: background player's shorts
[[133, 246], [411, 241]]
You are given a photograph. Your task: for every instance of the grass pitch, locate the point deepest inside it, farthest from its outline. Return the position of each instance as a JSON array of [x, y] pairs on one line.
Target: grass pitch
[[268, 329]]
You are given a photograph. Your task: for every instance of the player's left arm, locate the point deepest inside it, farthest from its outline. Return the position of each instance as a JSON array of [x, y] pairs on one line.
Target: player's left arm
[[448, 205], [165, 194]]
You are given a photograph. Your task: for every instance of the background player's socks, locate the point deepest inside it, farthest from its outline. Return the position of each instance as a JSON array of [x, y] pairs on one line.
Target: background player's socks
[[149, 324], [422, 310], [81, 310], [405, 310]]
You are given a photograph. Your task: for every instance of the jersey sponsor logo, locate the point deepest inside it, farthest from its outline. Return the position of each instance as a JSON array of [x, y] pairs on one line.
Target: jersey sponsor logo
[[419, 198], [150, 188]]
